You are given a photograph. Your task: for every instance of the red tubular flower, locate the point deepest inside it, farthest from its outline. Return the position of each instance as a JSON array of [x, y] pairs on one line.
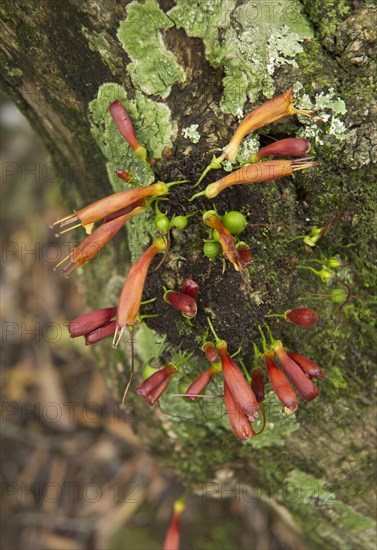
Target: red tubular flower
[[112, 204], [240, 389], [289, 147], [301, 316], [227, 242], [280, 383], [238, 420], [100, 333], [200, 383], [183, 302], [246, 257], [124, 125], [210, 352], [153, 387], [253, 173], [304, 385], [172, 536], [94, 242], [310, 368], [87, 323], [132, 293], [257, 384], [276, 108], [190, 287]]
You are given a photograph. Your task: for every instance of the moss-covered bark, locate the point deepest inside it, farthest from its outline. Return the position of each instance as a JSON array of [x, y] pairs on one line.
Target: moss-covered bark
[[55, 60]]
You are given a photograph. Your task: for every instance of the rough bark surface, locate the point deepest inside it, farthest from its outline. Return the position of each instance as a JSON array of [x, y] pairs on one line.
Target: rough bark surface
[[320, 465]]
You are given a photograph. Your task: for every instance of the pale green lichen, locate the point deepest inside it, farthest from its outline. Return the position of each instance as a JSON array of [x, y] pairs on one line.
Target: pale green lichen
[[259, 37], [191, 133], [329, 108], [153, 69], [98, 43]]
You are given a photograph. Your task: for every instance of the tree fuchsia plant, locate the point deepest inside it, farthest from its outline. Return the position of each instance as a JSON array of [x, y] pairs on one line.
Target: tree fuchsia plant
[[243, 392]]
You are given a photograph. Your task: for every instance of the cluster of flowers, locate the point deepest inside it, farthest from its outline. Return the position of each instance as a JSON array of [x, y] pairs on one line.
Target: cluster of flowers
[[242, 397]]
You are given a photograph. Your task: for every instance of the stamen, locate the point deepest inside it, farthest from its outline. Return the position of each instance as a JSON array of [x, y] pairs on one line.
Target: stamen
[[118, 335], [70, 268], [67, 230], [62, 220], [61, 262]]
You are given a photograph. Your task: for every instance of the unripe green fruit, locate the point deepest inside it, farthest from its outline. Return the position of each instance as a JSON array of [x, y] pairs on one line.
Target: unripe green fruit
[[211, 249], [338, 295], [162, 222], [179, 222], [234, 221]]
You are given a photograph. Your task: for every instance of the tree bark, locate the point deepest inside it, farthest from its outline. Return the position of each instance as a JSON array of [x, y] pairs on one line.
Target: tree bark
[[55, 56]]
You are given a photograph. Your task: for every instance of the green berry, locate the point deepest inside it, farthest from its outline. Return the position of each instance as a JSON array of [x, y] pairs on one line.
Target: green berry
[[234, 221], [162, 222], [179, 222], [338, 295], [211, 249]]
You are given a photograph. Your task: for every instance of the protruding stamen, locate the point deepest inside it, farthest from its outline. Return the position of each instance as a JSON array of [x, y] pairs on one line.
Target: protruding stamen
[[70, 268], [63, 220], [118, 335], [67, 230], [61, 262]]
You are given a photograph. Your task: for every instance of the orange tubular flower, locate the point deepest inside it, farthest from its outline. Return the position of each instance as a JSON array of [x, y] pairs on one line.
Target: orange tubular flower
[[280, 384], [112, 204], [97, 240], [228, 245], [238, 420], [172, 536], [132, 293], [289, 147], [253, 173], [276, 108], [200, 383], [242, 393], [124, 125], [304, 385]]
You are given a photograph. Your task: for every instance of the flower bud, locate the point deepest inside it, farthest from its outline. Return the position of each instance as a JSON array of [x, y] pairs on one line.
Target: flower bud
[[304, 385], [87, 323], [183, 302], [200, 383], [190, 287], [301, 316], [124, 125], [257, 384], [280, 383], [153, 387], [237, 418], [310, 368], [289, 147], [210, 352]]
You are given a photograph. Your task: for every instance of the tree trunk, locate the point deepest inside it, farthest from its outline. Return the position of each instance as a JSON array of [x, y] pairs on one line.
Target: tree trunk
[[64, 62]]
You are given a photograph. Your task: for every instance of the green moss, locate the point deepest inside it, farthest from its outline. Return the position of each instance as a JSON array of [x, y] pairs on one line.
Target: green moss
[[259, 37], [153, 69], [327, 14]]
